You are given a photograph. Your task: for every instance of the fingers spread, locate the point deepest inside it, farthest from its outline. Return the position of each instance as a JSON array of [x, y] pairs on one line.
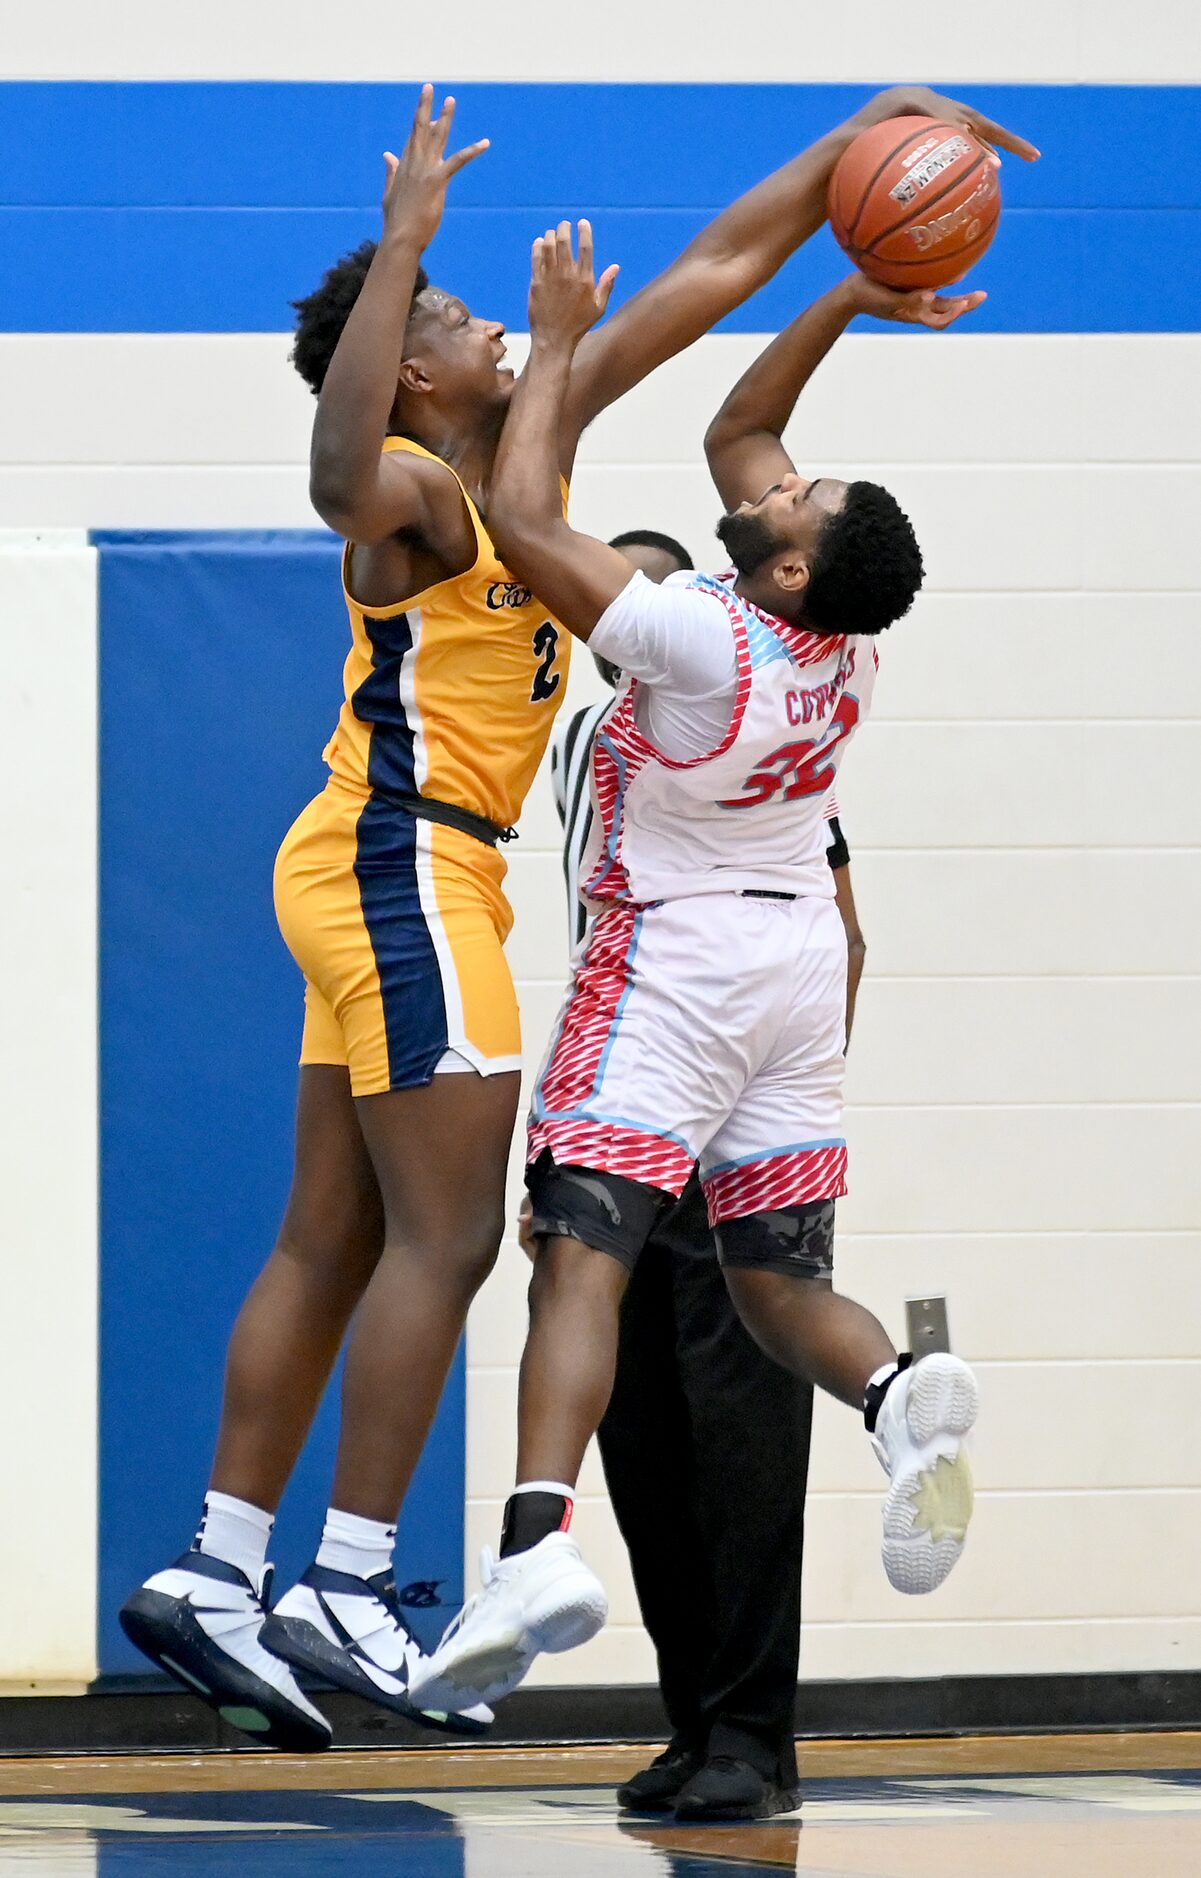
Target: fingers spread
[[463, 157], [443, 124]]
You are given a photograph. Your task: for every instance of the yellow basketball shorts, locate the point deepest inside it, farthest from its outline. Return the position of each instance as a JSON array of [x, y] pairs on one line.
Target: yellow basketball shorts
[[399, 927]]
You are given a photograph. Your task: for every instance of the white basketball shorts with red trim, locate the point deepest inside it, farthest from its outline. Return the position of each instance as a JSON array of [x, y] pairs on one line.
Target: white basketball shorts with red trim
[[710, 1029]]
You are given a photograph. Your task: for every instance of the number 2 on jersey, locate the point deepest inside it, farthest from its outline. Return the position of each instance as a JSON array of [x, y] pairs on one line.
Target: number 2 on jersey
[[798, 769], [546, 648]]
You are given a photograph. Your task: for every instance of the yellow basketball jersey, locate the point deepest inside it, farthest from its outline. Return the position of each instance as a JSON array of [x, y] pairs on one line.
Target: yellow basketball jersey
[[451, 694]]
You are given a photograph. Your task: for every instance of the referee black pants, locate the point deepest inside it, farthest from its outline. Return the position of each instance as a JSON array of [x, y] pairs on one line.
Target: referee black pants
[[705, 1448]]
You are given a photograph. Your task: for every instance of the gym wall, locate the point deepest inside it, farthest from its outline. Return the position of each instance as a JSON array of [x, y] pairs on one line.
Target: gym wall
[[1023, 810]]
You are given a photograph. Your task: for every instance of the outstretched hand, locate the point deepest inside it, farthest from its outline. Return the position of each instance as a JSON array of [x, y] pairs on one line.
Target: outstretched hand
[[920, 101], [415, 193], [566, 299], [921, 306]]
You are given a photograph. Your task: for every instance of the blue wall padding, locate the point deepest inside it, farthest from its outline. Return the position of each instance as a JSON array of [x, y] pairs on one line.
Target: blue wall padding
[[220, 659], [209, 207]]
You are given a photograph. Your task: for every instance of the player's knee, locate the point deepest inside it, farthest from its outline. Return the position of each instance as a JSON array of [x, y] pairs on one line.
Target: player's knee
[[572, 1274], [469, 1246], [459, 1244], [592, 1207], [483, 1247], [333, 1252], [794, 1241]]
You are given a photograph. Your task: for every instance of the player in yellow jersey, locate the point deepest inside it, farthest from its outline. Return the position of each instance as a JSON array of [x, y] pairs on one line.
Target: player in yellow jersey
[[389, 890]]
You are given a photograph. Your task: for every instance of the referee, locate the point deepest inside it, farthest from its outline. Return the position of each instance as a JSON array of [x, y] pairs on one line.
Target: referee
[[705, 1443]]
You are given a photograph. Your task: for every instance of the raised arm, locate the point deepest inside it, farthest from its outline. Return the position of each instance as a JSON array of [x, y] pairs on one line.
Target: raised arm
[[363, 494], [744, 443], [736, 255], [574, 575]]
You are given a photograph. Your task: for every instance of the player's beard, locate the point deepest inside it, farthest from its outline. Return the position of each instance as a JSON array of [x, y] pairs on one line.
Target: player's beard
[[747, 540]]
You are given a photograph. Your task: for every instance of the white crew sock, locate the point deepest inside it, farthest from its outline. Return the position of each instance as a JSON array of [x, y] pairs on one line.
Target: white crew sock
[[235, 1531], [361, 1547]]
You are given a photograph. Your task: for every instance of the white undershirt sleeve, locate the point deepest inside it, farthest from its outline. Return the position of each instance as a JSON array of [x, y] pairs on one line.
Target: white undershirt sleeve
[[674, 635], [679, 642]]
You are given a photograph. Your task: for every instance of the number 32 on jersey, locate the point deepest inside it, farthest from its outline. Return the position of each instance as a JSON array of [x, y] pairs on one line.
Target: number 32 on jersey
[[798, 769]]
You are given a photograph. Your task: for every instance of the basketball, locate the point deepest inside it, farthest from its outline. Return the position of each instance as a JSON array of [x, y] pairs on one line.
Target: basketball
[[915, 201]]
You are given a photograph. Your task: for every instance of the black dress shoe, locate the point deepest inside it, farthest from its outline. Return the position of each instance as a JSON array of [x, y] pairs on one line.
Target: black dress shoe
[[725, 1788], [657, 1787]]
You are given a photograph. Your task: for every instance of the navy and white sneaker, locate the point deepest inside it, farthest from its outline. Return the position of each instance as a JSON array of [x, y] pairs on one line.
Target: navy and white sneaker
[[201, 1620], [351, 1632]]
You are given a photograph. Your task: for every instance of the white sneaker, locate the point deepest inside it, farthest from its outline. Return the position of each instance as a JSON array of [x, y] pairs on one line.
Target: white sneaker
[[201, 1620], [920, 1432], [351, 1632], [543, 1599]]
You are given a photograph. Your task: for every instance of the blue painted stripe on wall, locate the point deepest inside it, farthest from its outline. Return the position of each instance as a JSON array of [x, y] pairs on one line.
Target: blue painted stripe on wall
[[611, 146], [235, 271], [207, 208], [220, 657]]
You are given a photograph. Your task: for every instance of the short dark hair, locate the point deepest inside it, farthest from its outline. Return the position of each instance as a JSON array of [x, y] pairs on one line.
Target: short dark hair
[[321, 315], [868, 567], [651, 538]]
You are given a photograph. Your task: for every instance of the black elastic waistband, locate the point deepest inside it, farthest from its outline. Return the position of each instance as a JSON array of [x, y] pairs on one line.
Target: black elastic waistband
[[428, 809], [765, 893]]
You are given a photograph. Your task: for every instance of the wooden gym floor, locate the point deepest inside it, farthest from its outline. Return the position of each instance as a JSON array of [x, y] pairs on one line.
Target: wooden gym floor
[[1111, 1806]]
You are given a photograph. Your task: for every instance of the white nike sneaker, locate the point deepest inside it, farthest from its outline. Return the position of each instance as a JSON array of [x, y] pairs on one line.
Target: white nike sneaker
[[201, 1620], [351, 1632], [920, 1433], [543, 1599]]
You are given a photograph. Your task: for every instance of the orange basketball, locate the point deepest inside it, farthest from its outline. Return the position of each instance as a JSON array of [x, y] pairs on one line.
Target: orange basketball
[[915, 202]]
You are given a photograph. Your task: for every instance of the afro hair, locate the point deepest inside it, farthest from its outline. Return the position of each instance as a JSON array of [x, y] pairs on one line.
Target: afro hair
[[868, 569], [322, 314]]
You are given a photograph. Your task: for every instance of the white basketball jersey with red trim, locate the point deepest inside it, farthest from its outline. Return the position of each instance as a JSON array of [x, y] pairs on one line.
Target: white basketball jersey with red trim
[[751, 813]]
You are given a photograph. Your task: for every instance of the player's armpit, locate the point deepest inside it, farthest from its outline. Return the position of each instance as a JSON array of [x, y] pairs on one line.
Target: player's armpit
[[404, 494]]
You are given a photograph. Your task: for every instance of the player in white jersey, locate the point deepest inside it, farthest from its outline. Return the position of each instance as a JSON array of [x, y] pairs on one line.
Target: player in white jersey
[[705, 1020]]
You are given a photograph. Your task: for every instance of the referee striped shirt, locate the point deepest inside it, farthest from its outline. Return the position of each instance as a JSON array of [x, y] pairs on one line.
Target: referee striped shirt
[[569, 758]]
